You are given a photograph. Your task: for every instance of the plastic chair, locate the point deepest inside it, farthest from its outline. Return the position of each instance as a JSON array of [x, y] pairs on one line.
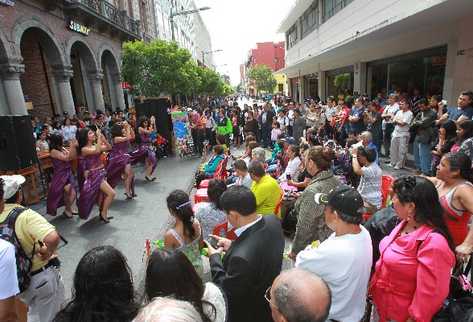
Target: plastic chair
[[277, 210], [222, 231], [386, 184], [201, 196]]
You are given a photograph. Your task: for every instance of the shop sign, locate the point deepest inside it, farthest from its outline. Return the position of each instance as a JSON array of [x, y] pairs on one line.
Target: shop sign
[[77, 27], [9, 3]]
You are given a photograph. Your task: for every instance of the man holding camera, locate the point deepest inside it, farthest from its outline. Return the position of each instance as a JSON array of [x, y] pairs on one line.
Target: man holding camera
[[39, 240]]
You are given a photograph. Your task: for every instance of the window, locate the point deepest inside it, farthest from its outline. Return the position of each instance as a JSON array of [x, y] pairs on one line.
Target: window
[[310, 19], [291, 36], [331, 7]]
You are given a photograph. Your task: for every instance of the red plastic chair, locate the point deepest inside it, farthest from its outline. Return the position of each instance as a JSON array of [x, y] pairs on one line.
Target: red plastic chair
[[201, 196], [222, 231], [277, 210], [386, 184]]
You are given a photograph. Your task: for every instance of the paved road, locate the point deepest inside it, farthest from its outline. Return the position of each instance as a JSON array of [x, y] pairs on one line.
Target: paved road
[[144, 217]]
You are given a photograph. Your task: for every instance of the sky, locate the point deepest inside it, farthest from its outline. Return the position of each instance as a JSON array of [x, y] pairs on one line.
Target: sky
[[235, 26]]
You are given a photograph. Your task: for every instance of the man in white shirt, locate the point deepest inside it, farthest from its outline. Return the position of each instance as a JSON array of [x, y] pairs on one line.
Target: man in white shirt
[[400, 135], [8, 282], [388, 127], [344, 259]]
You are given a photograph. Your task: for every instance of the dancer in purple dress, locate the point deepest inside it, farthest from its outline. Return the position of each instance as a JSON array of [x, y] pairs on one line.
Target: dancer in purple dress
[[119, 166], [62, 190], [145, 150], [94, 187]]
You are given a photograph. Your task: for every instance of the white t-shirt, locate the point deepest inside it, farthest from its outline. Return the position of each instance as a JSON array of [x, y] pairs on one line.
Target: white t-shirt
[[9, 279], [390, 109], [344, 262], [370, 184], [404, 117], [291, 169]]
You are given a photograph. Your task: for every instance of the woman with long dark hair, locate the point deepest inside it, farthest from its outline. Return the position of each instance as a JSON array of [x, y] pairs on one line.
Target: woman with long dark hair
[[119, 160], [145, 150], [453, 182], [171, 274], [464, 139], [94, 187], [186, 233], [62, 190], [412, 276], [446, 140], [103, 289]]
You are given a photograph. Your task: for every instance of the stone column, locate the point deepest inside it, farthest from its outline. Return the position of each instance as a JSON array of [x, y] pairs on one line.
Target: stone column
[[321, 85], [63, 75], [10, 74], [116, 87], [359, 78], [96, 82]]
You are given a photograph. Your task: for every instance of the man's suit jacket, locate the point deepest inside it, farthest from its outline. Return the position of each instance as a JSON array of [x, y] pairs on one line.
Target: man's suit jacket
[[269, 120], [249, 267]]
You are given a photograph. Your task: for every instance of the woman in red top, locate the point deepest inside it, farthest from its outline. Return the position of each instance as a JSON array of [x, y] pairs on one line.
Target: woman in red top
[[412, 276], [456, 197]]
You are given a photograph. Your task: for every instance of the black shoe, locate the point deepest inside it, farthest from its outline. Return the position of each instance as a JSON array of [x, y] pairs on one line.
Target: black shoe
[[105, 220]]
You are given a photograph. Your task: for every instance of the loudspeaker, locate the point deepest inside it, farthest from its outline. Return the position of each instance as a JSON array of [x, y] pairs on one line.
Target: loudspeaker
[[159, 108], [17, 144]]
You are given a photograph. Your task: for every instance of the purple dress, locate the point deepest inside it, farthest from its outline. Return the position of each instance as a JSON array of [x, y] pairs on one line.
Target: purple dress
[[90, 190], [144, 152], [62, 176], [118, 158]]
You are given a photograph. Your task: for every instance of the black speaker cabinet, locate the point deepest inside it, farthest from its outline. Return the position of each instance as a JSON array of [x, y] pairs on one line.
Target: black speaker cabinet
[[17, 144], [159, 109]]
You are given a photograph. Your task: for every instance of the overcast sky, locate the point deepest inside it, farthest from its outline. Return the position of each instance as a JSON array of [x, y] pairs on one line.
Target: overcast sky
[[235, 26]]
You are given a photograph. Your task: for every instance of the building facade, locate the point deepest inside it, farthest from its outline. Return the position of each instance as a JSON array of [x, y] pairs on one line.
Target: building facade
[[367, 47], [56, 57], [190, 31], [266, 53]]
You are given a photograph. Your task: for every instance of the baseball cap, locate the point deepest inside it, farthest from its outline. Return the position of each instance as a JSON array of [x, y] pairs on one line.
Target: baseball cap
[[344, 199], [11, 185]]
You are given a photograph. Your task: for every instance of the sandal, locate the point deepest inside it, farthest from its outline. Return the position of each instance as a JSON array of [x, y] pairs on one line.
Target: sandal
[[64, 213], [105, 220]]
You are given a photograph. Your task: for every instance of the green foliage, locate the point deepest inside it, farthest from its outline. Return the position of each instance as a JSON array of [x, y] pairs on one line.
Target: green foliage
[[342, 82], [162, 67], [263, 78]]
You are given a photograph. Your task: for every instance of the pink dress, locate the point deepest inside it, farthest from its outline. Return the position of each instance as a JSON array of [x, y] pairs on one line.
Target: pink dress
[[412, 276]]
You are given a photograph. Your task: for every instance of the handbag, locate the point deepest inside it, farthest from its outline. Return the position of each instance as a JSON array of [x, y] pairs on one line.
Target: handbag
[[458, 307]]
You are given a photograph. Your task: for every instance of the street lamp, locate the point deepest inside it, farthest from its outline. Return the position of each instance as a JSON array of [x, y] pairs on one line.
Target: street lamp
[[183, 13], [209, 52]]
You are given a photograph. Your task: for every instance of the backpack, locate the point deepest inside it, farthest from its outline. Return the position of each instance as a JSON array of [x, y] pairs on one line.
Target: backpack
[[23, 262]]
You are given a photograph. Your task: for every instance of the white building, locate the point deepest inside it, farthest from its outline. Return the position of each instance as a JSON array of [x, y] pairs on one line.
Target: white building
[[371, 46], [190, 31]]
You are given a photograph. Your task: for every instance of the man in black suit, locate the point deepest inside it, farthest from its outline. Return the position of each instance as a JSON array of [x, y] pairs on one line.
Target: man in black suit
[[252, 261], [266, 122]]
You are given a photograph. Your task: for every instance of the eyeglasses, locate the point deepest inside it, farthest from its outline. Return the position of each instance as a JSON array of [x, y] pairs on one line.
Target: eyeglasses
[[267, 295]]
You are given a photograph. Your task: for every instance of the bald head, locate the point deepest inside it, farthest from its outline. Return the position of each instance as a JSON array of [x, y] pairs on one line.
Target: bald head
[[300, 295]]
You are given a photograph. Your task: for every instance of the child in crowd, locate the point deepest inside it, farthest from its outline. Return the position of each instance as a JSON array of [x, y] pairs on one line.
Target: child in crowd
[[275, 132]]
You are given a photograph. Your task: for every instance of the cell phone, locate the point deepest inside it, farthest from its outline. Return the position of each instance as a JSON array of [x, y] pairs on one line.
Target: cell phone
[[288, 176], [213, 242]]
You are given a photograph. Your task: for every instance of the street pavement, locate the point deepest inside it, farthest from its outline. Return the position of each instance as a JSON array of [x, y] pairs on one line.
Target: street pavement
[[134, 221]]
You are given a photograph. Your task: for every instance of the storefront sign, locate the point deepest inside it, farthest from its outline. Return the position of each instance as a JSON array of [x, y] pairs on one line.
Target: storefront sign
[[9, 3], [77, 27]]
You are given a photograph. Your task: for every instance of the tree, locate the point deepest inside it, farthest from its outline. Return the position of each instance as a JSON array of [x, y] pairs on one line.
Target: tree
[[162, 67], [263, 78]]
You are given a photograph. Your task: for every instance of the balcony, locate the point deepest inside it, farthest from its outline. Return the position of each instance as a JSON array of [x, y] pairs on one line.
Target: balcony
[[105, 16]]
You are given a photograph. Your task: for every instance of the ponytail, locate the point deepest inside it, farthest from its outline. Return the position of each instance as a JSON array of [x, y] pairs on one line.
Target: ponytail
[[180, 206]]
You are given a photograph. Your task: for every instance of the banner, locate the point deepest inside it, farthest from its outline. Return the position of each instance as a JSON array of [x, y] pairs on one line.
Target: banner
[[179, 124]]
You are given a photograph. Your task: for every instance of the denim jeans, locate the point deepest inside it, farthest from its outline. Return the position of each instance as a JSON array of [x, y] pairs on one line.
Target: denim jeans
[[423, 156]]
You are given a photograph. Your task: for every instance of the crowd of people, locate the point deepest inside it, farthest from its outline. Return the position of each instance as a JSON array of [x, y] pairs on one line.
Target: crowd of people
[[309, 179]]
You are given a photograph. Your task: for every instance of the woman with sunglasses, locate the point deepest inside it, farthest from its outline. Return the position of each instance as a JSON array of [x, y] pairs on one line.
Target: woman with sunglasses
[[412, 276]]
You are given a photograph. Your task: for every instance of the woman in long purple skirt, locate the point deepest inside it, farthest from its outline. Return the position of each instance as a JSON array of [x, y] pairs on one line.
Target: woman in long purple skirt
[[63, 186], [95, 188], [119, 166], [145, 150]]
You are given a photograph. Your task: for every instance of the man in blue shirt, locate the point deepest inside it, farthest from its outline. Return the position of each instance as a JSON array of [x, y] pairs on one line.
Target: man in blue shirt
[[356, 117]]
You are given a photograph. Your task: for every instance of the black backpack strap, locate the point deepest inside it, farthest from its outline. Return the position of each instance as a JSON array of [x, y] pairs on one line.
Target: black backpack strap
[[11, 222]]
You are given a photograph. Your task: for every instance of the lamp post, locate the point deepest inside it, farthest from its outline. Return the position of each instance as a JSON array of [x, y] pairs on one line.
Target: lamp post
[[182, 13], [209, 52]]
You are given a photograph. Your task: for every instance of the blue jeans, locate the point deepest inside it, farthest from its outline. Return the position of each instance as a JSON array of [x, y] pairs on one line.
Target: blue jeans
[[423, 156]]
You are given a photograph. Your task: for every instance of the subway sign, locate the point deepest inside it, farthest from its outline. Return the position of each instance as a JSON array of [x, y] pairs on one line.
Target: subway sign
[[77, 27]]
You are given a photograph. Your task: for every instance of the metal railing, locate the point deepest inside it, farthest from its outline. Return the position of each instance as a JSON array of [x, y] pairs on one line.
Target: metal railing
[[112, 14]]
